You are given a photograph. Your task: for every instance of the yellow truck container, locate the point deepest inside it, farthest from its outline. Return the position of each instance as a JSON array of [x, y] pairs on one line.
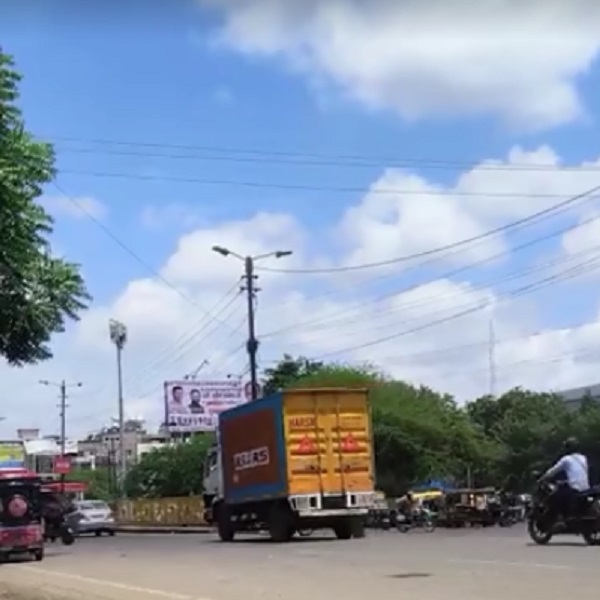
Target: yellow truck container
[[299, 459]]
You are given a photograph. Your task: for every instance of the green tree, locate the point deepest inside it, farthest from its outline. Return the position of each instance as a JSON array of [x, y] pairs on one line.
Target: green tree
[[38, 292], [287, 372], [528, 426], [98, 481], [170, 472]]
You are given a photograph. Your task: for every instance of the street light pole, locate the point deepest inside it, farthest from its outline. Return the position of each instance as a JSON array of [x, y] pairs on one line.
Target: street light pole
[[252, 344], [249, 276], [118, 336]]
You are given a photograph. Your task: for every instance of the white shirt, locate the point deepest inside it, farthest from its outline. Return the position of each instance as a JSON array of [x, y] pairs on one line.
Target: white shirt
[[177, 408], [575, 467]]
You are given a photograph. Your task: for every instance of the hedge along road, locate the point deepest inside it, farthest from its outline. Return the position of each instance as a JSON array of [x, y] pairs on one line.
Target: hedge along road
[[445, 565]]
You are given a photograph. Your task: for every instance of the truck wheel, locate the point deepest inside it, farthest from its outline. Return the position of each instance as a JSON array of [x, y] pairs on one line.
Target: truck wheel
[[225, 526], [343, 530], [281, 528]]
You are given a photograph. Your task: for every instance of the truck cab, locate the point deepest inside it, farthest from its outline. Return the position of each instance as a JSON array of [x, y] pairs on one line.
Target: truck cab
[[212, 481]]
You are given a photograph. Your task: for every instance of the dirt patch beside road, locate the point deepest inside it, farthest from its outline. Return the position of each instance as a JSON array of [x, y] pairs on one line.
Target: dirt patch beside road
[[27, 592]]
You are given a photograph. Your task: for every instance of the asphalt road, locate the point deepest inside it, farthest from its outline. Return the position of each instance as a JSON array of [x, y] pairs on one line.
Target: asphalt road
[[446, 565]]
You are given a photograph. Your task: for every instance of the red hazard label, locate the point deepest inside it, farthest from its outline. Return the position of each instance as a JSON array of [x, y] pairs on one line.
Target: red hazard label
[[306, 445], [349, 444]]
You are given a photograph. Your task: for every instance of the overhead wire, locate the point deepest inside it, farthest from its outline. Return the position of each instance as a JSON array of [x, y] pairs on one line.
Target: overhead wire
[[477, 307], [132, 253], [454, 245], [294, 157], [447, 275], [345, 327], [306, 187]]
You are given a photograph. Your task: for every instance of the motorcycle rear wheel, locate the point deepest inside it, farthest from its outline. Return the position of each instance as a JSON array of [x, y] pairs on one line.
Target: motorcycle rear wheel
[[591, 537], [539, 535]]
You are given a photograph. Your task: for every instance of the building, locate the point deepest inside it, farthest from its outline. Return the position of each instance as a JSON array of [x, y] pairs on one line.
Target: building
[[101, 449], [574, 397]]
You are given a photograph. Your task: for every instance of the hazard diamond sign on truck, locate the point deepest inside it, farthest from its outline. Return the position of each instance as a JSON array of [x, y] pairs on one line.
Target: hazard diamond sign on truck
[[296, 460]]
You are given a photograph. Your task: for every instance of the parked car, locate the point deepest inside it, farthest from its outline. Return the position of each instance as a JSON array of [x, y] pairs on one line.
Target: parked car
[[94, 516]]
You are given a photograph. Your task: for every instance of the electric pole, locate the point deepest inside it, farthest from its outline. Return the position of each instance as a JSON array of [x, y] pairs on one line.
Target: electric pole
[[62, 386], [118, 336], [251, 289], [252, 344]]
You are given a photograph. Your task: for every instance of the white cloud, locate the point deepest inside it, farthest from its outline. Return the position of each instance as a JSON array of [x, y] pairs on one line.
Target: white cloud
[[519, 60], [77, 208], [338, 316]]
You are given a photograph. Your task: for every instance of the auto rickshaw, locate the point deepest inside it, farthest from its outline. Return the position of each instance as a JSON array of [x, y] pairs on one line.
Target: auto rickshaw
[[469, 507], [21, 523]]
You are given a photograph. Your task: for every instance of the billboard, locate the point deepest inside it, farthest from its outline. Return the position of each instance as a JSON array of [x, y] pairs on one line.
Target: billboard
[[12, 455], [192, 406], [26, 435]]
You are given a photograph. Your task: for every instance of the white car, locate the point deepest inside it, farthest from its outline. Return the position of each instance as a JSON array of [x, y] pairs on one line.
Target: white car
[[95, 516]]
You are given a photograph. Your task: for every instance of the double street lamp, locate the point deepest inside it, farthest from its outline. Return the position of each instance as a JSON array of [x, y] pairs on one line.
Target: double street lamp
[[252, 344]]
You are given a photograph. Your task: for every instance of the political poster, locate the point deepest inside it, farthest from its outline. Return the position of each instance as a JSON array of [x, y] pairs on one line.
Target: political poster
[[194, 406]]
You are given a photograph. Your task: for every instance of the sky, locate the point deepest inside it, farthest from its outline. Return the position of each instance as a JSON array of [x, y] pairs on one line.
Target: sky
[[431, 166]]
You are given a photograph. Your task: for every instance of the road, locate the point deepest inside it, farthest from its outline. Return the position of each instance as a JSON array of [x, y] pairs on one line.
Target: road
[[446, 565]]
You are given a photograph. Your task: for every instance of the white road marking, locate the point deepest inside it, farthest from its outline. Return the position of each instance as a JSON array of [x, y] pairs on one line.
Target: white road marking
[[111, 584], [501, 563]]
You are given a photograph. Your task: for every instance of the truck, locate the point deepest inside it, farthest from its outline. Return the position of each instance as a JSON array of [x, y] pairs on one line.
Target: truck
[[294, 461]]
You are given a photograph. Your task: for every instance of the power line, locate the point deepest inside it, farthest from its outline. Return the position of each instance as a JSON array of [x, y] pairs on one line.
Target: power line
[[132, 253], [307, 187], [453, 246], [563, 276], [446, 275], [310, 158]]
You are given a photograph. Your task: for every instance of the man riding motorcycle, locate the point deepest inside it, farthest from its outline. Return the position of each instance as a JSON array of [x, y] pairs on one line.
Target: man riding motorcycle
[[574, 466]]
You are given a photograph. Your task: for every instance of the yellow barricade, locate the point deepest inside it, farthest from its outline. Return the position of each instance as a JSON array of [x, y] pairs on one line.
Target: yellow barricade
[[161, 511]]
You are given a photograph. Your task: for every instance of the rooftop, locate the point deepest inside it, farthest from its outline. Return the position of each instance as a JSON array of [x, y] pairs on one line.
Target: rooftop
[[577, 394]]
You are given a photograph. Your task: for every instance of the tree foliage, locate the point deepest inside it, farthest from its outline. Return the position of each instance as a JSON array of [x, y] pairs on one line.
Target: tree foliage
[[38, 292], [287, 371], [172, 471]]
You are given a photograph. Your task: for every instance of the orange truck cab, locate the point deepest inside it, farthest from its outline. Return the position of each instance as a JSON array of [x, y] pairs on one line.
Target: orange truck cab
[[297, 460]]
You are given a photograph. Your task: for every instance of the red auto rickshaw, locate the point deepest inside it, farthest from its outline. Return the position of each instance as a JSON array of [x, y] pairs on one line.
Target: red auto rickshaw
[[21, 523]]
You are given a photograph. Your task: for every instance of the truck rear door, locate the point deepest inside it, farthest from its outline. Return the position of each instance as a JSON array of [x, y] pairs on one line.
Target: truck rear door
[[328, 441]]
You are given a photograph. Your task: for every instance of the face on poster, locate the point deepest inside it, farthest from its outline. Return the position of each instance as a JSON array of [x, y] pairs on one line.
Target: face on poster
[[192, 406]]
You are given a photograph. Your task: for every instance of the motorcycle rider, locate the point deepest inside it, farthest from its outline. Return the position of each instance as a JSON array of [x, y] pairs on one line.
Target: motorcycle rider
[[574, 466]]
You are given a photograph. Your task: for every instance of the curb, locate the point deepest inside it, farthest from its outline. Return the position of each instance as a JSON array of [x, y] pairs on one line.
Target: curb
[[162, 529]]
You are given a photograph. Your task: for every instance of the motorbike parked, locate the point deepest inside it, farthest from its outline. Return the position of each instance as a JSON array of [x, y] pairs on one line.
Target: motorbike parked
[[543, 525]]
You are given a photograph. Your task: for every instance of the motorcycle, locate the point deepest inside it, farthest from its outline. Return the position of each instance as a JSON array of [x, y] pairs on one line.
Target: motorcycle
[[62, 531], [421, 520], [542, 526]]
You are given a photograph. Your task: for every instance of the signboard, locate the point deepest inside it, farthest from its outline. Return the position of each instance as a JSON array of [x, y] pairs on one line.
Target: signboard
[[12, 455], [62, 465], [192, 406], [26, 435]]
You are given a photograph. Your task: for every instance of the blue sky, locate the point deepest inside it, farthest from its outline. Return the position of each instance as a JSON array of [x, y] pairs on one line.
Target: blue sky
[[167, 80]]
